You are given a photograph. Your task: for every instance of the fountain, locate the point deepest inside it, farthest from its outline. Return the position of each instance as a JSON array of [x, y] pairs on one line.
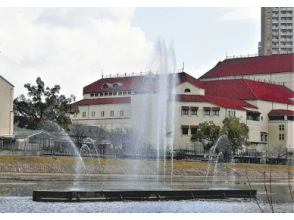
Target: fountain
[[219, 153], [79, 193], [153, 123]]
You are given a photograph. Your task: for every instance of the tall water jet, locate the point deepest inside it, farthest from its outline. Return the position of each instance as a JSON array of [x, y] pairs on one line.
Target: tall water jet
[[153, 118], [165, 63]]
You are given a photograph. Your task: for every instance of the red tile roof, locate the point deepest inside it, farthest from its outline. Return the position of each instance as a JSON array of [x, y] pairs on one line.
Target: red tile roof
[[281, 112], [230, 103], [278, 63], [100, 101], [242, 89], [190, 98], [138, 83], [224, 102]]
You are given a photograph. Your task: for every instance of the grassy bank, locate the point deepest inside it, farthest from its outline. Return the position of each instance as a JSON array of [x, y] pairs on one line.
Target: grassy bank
[[125, 162]]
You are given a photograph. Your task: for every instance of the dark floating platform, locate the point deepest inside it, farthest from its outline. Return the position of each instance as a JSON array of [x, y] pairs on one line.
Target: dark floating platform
[[141, 195]]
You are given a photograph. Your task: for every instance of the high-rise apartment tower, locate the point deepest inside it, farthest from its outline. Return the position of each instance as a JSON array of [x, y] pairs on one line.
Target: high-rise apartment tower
[[276, 30]]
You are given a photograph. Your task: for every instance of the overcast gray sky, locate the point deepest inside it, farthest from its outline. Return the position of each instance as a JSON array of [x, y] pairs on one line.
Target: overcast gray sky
[[72, 46]]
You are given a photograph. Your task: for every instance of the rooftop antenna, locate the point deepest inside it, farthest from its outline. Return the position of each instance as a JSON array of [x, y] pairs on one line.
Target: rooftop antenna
[[183, 67], [102, 73]]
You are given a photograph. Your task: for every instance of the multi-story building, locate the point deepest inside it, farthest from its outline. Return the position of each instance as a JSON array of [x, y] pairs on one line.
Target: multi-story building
[[268, 98], [134, 102], [264, 77], [276, 30], [6, 111]]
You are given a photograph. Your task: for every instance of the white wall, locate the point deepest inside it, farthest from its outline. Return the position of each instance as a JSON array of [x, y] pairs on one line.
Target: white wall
[[6, 114]]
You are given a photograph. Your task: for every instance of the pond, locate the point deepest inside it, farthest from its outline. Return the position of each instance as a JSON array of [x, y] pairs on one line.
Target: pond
[[16, 197]]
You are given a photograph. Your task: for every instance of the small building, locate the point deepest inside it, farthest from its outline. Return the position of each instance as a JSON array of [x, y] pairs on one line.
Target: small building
[[6, 112]]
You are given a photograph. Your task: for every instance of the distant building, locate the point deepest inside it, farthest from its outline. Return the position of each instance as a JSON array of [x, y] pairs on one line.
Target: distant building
[[6, 111], [131, 101], [269, 100], [276, 31], [264, 81]]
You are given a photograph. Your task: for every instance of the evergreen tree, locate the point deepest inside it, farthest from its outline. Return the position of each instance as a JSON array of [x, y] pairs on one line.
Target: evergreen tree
[[42, 104], [236, 131]]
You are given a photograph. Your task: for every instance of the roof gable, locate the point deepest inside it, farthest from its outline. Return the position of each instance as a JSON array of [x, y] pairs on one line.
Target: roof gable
[[185, 77]]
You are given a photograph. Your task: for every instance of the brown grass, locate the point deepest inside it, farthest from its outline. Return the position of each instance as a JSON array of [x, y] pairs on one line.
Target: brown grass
[[121, 162]]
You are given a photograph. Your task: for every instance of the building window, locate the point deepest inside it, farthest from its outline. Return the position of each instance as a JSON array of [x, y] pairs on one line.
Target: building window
[[206, 111], [185, 110], [84, 114], [193, 130], [215, 111], [111, 113], [185, 129], [281, 127], [121, 113], [263, 137], [281, 137], [231, 113], [106, 86], [253, 116], [187, 90], [194, 110], [102, 114], [93, 114]]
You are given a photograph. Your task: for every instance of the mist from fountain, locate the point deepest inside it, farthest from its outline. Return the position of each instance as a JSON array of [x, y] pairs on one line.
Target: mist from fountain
[[60, 136]]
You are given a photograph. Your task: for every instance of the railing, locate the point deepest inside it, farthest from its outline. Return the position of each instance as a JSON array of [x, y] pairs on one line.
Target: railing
[[241, 56]]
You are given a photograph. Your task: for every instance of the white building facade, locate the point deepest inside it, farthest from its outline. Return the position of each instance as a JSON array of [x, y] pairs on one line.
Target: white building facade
[[128, 102], [6, 110]]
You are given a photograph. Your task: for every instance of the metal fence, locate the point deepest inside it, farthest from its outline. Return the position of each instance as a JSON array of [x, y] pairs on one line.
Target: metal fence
[[26, 148]]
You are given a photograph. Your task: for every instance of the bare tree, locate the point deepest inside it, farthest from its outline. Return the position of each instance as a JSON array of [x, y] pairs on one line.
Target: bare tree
[[78, 132], [98, 133]]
